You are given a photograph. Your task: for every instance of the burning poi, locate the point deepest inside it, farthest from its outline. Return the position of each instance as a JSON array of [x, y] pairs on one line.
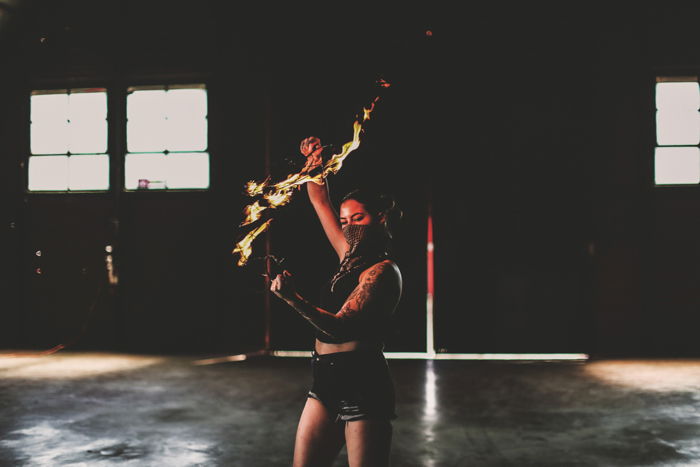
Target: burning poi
[[272, 196]]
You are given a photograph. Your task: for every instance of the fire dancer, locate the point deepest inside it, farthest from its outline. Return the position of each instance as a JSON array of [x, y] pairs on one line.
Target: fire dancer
[[351, 400]]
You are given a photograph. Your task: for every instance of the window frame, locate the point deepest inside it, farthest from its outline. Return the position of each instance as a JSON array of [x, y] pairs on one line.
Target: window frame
[[51, 88], [116, 90], [660, 76], [159, 85]]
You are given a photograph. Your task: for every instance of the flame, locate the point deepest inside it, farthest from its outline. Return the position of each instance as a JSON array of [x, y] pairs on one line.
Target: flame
[[281, 193], [253, 212], [336, 161], [254, 188], [244, 246], [368, 111], [279, 198]]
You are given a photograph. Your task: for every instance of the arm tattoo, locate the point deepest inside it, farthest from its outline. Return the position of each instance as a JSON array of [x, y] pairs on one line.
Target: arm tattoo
[[372, 296], [367, 293]]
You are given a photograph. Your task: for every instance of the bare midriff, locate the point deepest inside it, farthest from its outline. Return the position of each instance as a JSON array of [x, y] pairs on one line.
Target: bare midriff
[[325, 347]]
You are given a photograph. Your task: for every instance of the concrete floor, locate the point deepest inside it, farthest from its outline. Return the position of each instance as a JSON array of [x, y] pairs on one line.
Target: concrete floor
[[88, 409]]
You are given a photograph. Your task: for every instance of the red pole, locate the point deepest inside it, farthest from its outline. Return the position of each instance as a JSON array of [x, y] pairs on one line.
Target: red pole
[[430, 286]]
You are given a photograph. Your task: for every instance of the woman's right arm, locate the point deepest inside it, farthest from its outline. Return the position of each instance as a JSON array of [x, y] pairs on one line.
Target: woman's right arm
[[371, 303], [320, 199]]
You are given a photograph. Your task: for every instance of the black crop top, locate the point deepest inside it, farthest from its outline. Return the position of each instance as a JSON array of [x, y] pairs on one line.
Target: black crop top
[[369, 328]]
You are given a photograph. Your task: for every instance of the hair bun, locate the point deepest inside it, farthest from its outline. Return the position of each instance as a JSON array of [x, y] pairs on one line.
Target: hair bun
[[390, 208], [377, 202]]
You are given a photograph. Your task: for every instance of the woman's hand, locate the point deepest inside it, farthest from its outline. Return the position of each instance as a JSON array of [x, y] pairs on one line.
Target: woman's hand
[[311, 148], [283, 286]]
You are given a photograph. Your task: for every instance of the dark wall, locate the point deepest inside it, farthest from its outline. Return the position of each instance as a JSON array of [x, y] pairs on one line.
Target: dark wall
[[527, 132], [671, 266]]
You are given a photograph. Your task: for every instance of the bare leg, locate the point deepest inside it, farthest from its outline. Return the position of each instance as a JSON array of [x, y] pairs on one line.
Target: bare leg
[[318, 439], [368, 442]]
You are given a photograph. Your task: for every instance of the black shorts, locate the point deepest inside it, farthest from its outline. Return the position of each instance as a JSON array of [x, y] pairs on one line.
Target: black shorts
[[353, 385]]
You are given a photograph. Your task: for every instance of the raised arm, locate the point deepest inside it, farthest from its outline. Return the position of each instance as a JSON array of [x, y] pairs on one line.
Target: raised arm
[[373, 301], [320, 199]]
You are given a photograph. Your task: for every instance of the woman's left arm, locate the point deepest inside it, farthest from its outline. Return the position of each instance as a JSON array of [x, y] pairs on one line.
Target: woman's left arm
[[376, 295]]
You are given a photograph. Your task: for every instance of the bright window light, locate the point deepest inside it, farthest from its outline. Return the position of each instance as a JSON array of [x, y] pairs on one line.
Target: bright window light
[[87, 113], [68, 124], [187, 133], [677, 165], [677, 157], [49, 137], [170, 124], [145, 171], [167, 120], [146, 135], [49, 107], [678, 95], [88, 172], [677, 127], [73, 122], [48, 173], [187, 170], [172, 171]]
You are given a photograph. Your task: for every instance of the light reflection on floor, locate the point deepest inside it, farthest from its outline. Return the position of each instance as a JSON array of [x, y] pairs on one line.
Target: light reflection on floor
[[430, 412], [74, 408], [55, 443], [71, 366], [649, 375]]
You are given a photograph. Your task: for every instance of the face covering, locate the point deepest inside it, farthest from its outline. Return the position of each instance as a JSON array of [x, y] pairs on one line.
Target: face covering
[[365, 238], [367, 243]]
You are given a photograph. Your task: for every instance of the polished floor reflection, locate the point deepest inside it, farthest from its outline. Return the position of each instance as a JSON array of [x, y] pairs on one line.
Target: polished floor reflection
[[100, 409]]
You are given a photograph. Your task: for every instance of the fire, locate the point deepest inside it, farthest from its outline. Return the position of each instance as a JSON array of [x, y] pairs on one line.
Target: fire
[[279, 198], [244, 247], [281, 193], [253, 212], [336, 161], [254, 188]]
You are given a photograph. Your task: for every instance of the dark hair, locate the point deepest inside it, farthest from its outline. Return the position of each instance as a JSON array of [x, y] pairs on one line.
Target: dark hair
[[376, 204]]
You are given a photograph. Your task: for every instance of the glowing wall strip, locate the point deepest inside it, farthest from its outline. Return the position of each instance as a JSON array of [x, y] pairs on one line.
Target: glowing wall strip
[[458, 356], [523, 357]]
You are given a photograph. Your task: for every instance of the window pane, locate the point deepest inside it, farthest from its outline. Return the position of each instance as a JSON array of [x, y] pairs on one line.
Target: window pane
[[87, 105], [49, 137], [677, 127], [173, 120], [186, 134], [678, 96], [189, 102], [188, 170], [89, 172], [48, 173], [87, 136], [146, 135], [675, 166], [148, 104], [49, 108], [75, 122], [148, 169]]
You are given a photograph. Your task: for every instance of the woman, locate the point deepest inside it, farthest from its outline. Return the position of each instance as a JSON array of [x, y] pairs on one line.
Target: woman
[[352, 397]]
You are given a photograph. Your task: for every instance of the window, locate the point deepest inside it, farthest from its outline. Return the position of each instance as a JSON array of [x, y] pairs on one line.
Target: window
[[68, 141], [677, 155], [167, 138]]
